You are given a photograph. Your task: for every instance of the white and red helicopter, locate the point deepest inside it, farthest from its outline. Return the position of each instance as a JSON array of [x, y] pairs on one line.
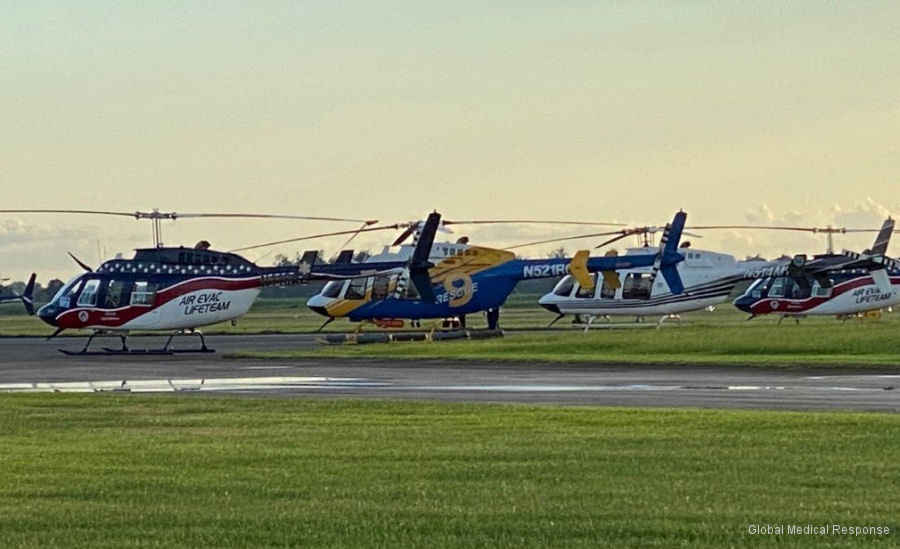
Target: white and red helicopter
[[710, 277], [842, 284], [176, 289]]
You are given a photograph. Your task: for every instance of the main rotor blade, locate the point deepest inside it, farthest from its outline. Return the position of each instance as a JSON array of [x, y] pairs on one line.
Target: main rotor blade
[[783, 228], [562, 239], [80, 263], [89, 212], [367, 222], [611, 240], [311, 237], [404, 235], [156, 214], [531, 222]]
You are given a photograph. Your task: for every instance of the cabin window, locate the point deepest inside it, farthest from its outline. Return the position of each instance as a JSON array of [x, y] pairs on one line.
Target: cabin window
[[585, 293], [608, 291], [333, 289], [357, 289], [115, 290], [143, 293], [564, 287], [819, 291], [381, 285], [88, 297], [777, 289], [637, 286]]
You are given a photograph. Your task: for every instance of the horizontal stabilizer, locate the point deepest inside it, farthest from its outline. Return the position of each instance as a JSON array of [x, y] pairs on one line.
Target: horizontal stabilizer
[[578, 269]]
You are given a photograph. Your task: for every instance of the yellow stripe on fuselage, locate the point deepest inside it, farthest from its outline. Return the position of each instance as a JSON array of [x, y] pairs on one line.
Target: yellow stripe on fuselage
[[473, 260]]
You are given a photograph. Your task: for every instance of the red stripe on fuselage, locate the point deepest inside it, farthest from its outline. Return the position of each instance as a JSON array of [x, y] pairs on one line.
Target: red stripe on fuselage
[[799, 306], [114, 318]]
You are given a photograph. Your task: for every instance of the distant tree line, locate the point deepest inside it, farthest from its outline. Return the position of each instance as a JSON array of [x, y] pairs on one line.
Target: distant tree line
[[42, 294]]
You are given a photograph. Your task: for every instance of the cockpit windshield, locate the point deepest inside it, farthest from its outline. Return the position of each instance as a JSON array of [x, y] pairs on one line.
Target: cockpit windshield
[[333, 289], [758, 288], [68, 290], [564, 287]]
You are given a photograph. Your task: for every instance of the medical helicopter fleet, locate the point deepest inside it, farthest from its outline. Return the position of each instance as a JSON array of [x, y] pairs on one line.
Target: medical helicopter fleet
[[181, 289]]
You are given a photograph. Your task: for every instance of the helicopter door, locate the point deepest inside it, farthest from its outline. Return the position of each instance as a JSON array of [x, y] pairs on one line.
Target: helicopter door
[[116, 294], [777, 289], [585, 293], [637, 286], [382, 285], [88, 297], [357, 289], [143, 293], [608, 291]]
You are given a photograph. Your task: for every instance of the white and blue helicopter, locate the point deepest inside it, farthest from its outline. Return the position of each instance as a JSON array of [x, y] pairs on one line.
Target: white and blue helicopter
[[708, 277]]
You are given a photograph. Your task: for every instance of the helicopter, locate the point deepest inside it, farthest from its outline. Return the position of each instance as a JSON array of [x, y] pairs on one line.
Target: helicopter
[[465, 279], [842, 284], [25, 297], [709, 279], [174, 289]]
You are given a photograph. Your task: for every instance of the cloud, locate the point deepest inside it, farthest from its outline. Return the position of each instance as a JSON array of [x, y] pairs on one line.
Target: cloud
[[42, 248], [868, 214]]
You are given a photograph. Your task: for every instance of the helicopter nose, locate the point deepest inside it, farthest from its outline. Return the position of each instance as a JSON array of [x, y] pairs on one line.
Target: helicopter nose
[[553, 308], [743, 303], [48, 313], [319, 310], [546, 301]]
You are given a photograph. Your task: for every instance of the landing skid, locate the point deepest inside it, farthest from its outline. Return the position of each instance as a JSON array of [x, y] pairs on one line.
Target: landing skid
[[795, 318], [125, 351], [676, 318]]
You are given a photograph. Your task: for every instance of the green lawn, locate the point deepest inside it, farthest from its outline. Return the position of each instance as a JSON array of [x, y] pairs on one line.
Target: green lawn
[[812, 343], [127, 471]]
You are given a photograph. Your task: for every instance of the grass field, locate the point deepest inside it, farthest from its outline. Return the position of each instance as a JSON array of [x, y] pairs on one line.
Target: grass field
[[121, 471], [705, 338], [720, 337]]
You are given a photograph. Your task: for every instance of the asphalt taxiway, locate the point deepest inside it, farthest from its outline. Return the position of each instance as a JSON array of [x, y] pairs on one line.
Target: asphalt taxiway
[[33, 364]]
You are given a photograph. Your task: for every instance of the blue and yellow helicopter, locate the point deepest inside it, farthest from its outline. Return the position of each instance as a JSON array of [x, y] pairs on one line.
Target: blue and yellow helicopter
[[450, 281]]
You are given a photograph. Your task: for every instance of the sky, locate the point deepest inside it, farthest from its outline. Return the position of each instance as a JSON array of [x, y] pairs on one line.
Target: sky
[[736, 112]]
